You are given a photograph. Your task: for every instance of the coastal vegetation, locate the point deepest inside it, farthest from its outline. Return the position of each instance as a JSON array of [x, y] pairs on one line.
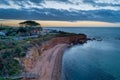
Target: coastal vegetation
[[26, 28], [16, 41], [12, 48]]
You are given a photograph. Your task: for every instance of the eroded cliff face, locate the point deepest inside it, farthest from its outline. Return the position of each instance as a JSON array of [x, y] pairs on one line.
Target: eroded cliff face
[[31, 57], [67, 40], [37, 54]]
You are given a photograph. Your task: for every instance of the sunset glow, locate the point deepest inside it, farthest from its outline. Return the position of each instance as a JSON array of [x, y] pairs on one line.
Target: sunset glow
[[63, 23]]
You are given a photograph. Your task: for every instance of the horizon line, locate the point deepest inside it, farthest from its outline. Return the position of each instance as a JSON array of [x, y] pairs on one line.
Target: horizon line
[[56, 23]]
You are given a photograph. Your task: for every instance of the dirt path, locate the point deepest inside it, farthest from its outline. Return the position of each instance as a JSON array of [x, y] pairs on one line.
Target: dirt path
[[48, 67]]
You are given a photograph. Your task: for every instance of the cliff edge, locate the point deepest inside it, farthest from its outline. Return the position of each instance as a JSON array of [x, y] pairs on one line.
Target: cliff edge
[[45, 61]]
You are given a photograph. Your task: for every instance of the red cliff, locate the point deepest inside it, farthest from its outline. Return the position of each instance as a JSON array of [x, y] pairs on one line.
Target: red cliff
[[47, 63], [67, 40]]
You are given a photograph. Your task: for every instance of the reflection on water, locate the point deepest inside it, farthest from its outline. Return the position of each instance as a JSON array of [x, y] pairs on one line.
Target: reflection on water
[[92, 61]]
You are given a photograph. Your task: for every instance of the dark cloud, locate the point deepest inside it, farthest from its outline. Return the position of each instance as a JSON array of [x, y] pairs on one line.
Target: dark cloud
[[4, 2], [34, 1], [64, 15], [16, 1], [106, 15], [88, 1], [92, 2]]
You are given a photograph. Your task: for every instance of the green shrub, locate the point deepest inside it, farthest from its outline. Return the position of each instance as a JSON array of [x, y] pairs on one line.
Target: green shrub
[[14, 67], [1, 78], [5, 55], [10, 67]]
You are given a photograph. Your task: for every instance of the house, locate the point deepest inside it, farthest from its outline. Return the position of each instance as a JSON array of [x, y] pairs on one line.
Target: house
[[46, 31], [35, 31], [2, 34]]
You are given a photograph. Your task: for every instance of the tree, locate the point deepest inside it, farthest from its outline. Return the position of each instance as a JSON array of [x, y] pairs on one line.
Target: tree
[[22, 29], [29, 24]]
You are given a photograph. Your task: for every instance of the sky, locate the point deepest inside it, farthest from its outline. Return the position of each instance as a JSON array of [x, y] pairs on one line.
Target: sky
[[62, 12]]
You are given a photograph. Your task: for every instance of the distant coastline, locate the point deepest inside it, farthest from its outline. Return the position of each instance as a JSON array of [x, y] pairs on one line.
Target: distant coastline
[[50, 23]]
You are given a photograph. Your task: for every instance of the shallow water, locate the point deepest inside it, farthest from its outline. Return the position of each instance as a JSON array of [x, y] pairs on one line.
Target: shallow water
[[94, 60]]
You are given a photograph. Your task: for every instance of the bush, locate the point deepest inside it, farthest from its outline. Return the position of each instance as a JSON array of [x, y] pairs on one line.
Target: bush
[[14, 67], [10, 67], [5, 55], [1, 78]]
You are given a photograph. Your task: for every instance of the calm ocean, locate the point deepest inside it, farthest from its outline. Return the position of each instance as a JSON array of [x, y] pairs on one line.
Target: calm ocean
[[94, 60]]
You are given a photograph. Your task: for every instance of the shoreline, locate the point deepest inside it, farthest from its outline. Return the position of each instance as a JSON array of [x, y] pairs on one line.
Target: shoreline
[[48, 65], [51, 69], [58, 64]]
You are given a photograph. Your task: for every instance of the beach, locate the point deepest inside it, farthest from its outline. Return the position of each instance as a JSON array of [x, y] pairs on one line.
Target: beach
[[48, 66]]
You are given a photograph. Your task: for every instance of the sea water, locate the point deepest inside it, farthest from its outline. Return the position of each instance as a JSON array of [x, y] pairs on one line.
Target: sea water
[[94, 60]]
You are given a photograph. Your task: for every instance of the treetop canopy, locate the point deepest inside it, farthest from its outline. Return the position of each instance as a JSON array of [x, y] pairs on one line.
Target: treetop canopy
[[30, 23]]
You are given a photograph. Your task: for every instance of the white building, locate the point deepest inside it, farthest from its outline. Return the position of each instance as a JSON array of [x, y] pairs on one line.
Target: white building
[[2, 34]]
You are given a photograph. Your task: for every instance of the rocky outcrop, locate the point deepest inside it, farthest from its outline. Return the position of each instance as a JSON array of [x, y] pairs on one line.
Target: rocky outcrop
[[31, 57]]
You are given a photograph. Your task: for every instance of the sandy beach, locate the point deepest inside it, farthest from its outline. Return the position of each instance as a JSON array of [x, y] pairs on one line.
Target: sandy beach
[[49, 64]]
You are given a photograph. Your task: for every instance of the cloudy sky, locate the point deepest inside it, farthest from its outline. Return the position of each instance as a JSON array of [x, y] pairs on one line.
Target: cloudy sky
[[61, 10]]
